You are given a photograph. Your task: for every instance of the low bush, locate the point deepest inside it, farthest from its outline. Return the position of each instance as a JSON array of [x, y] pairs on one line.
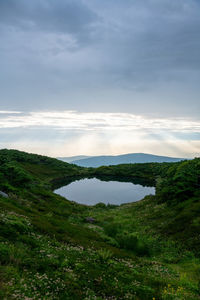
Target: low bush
[[133, 243]]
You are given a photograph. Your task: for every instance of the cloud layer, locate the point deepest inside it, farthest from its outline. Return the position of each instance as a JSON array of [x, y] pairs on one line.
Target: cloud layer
[[140, 56], [69, 120], [69, 133]]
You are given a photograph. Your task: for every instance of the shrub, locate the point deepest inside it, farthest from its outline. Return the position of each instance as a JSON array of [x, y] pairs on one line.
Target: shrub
[[112, 229], [132, 243], [104, 254], [4, 253], [100, 205]]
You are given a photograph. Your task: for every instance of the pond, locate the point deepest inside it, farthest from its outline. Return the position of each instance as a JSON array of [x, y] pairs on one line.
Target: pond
[[92, 191]]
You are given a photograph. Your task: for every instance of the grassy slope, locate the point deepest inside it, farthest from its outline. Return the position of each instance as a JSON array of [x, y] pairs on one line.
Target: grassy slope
[[135, 251]]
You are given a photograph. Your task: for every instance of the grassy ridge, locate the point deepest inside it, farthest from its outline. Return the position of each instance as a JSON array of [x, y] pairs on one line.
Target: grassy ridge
[[142, 250]]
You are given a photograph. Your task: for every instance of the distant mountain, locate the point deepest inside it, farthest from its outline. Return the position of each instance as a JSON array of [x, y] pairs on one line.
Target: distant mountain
[[97, 161], [73, 158]]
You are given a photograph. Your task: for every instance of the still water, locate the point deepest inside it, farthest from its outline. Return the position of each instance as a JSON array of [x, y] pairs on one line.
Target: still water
[[93, 191]]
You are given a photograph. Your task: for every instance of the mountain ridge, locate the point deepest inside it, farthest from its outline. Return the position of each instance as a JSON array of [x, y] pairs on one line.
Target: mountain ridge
[[105, 160]]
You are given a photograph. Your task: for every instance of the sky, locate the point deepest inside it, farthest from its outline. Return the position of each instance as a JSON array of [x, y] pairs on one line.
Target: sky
[[100, 77]]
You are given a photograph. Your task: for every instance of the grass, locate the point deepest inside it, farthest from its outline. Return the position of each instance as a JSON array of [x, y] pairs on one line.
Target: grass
[[48, 250]]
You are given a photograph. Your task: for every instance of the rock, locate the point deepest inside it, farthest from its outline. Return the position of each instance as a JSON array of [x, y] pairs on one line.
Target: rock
[[3, 194], [90, 220]]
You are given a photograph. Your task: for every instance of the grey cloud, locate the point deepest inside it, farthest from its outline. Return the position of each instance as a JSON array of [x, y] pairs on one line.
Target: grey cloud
[[100, 55], [50, 15]]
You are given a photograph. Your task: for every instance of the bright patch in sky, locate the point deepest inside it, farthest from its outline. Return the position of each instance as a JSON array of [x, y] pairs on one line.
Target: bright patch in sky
[[68, 133]]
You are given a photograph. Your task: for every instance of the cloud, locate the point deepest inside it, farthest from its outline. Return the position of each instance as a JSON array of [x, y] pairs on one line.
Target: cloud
[[139, 56], [66, 133], [47, 15], [73, 120], [8, 112]]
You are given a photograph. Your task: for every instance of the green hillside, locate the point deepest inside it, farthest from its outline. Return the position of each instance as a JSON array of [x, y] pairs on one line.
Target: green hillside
[[143, 250]]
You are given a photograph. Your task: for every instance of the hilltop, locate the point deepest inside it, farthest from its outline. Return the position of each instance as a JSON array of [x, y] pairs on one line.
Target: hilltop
[[143, 250]]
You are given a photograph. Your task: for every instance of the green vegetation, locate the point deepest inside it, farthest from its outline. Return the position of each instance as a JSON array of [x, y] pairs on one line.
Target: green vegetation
[[143, 250]]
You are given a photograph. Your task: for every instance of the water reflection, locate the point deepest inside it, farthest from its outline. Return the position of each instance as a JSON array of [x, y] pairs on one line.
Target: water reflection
[[92, 191]]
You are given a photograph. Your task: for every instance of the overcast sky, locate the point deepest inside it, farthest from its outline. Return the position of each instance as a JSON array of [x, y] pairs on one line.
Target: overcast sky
[[100, 76]]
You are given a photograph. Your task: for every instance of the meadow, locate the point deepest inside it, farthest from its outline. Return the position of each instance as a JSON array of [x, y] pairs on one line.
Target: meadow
[[145, 250]]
